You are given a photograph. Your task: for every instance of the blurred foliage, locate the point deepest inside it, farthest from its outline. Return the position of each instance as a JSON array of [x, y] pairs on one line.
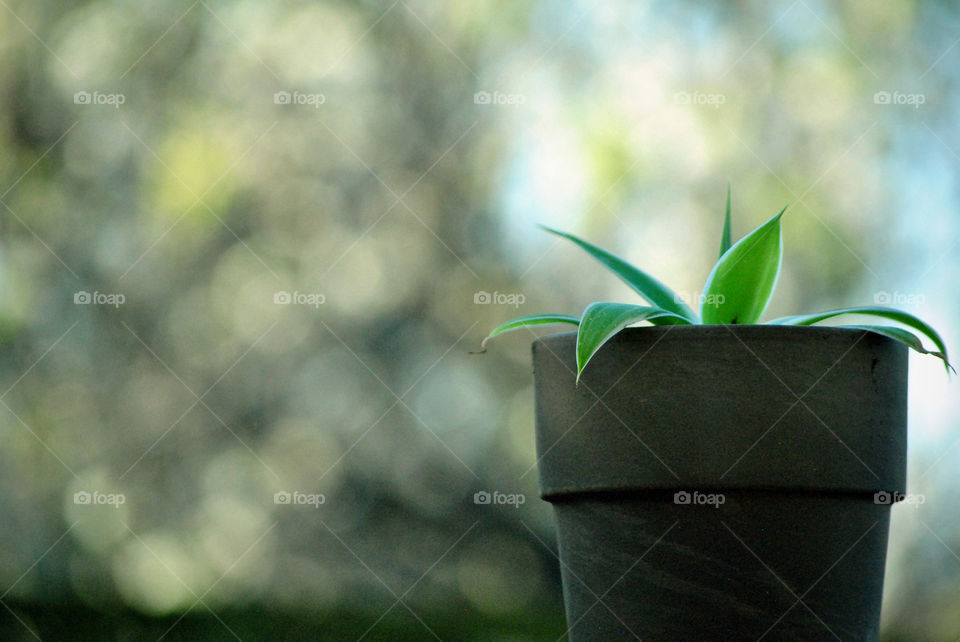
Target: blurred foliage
[[387, 189]]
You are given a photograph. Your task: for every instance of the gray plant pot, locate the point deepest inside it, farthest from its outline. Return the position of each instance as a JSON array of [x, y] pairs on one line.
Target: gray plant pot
[[781, 439]]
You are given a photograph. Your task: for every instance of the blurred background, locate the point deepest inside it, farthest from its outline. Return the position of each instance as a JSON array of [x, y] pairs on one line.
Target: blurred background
[[246, 248]]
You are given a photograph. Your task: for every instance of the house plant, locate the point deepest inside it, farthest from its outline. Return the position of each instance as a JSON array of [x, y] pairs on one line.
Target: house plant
[[713, 477]]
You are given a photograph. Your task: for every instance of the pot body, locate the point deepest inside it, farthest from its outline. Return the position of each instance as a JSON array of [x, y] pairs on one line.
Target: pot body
[[723, 482]]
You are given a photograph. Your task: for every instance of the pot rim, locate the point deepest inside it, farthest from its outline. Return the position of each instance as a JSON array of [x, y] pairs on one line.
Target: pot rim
[[714, 327], [720, 409]]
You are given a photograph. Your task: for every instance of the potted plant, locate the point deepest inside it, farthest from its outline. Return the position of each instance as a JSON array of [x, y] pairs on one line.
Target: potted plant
[[717, 478]]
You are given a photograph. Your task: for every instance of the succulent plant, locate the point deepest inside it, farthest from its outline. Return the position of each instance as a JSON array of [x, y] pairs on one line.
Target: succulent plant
[[737, 291]]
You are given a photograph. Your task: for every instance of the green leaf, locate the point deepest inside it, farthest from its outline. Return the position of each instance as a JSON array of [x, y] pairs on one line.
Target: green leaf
[[742, 282], [903, 336], [876, 311], [522, 322], [645, 285], [601, 321], [725, 236]]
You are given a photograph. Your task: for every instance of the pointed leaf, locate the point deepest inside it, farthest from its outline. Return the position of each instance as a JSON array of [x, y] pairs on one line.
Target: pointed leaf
[[522, 322], [601, 321], [903, 336], [725, 236], [876, 311], [742, 282], [643, 284]]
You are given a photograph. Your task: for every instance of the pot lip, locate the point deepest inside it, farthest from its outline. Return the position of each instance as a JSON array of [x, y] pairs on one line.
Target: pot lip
[[874, 374], [704, 330]]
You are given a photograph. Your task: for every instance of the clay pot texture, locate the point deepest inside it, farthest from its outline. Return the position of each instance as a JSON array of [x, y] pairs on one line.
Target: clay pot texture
[[723, 482]]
